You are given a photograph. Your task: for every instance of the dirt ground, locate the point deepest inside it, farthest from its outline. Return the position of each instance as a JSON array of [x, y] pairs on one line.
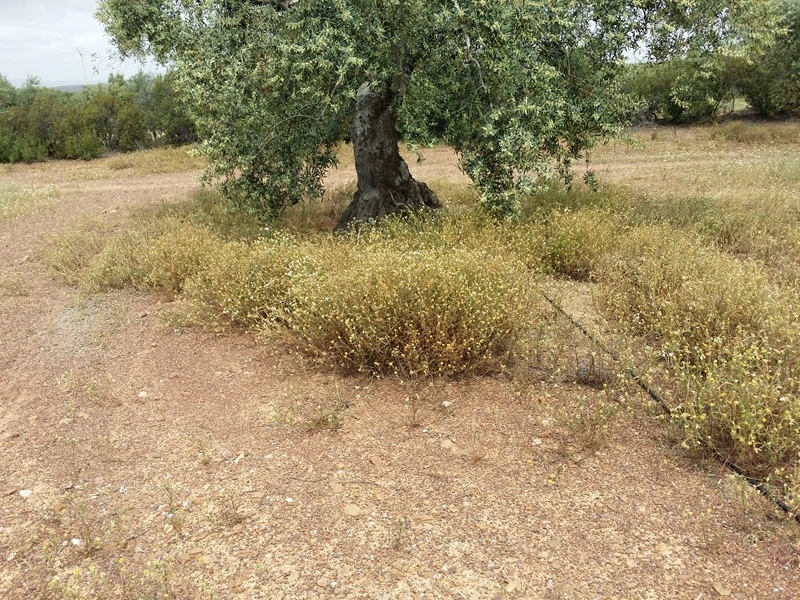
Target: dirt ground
[[141, 460]]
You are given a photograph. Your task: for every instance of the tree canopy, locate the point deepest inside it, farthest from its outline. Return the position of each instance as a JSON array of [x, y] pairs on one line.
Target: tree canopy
[[520, 88]]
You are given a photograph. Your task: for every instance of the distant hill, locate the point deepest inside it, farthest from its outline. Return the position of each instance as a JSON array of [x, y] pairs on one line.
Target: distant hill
[[69, 88]]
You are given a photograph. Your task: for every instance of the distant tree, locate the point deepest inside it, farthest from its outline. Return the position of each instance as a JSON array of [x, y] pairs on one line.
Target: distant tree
[[8, 93], [170, 112], [165, 114], [118, 119], [682, 90], [771, 79]]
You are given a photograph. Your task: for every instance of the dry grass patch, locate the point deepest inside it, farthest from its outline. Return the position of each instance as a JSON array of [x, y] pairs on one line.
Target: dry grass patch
[[16, 200], [158, 160], [731, 337]]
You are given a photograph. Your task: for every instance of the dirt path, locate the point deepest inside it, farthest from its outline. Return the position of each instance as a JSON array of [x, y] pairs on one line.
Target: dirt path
[[138, 460]]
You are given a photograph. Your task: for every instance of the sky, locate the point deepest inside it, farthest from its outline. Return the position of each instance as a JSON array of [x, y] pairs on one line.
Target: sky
[[58, 41]]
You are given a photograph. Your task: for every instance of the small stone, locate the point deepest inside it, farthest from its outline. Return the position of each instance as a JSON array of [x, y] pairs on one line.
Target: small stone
[[721, 589], [376, 461], [142, 394], [352, 510], [25, 493], [322, 582], [10, 491]]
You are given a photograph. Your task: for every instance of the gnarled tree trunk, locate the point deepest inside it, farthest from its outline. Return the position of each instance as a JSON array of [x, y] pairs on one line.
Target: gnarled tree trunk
[[385, 187]]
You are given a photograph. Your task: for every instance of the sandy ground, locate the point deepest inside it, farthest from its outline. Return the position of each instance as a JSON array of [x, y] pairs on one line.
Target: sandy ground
[[141, 460]]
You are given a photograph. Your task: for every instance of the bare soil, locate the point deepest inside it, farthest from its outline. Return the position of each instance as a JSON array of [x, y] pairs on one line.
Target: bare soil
[[142, 460]]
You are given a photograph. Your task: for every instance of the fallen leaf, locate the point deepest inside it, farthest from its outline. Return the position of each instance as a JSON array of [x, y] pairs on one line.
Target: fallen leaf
[[9, 491], [447, 444], [337, 487], [184, 558], [351, 510], [721, 589]]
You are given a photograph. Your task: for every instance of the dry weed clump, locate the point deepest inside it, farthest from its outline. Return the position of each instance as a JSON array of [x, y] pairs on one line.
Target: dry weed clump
[[576, 240], [255, 285], [732, 338], [431, 311], [435, 297]]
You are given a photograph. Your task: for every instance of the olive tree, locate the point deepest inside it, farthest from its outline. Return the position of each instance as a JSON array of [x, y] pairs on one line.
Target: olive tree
[[519, 88]]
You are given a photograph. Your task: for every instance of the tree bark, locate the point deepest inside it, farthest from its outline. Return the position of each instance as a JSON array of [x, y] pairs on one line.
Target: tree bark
[[385, 186]]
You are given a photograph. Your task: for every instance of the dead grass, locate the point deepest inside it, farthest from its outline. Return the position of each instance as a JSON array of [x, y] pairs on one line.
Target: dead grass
[[159, 160], [16, 200]]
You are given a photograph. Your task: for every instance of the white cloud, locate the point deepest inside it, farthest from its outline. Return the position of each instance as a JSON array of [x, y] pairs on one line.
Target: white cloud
[[57, 41]]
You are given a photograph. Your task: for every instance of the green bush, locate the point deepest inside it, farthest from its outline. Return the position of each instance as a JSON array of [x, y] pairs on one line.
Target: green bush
[[771, 81], [85, 145], [682, 90]]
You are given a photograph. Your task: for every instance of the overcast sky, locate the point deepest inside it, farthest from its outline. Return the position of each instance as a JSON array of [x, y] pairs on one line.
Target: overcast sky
[[46, 38]]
